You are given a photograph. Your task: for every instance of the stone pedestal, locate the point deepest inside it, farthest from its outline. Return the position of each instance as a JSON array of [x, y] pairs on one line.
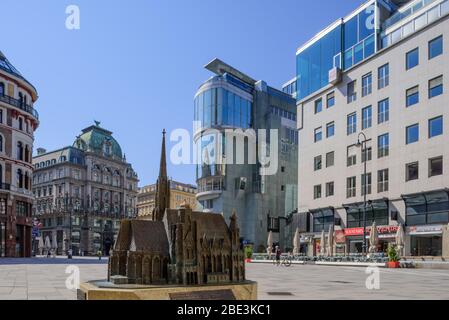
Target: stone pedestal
[[98, 290]]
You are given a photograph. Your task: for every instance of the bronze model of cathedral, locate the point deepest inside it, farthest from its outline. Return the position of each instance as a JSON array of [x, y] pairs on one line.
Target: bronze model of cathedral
[[178, 246]]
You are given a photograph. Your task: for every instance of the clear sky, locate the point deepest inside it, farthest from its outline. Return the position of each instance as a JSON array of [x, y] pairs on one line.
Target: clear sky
[[135, 65]]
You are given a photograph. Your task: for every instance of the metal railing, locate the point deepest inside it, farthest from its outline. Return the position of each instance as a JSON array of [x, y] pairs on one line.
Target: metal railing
[[19, 104]]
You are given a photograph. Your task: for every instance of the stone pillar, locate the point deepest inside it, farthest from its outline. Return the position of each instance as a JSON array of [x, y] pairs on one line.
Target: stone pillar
[[445, 242]]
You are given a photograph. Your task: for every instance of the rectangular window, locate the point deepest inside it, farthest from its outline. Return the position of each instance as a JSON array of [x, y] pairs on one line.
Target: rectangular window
[[317, 163], [382, 180], [435, 47], [351, 92], [367, 84], [435, 87], [330, 129], [383, 145], [367, 154], [317, 192], [318, 106], [366, 184], [412, 96], [383, 112], [435, 127], [330, 159], [352, 156], [412, 134], [367, 114], [351, 187], [412, 59], [330, 100], [412, 171], [352, 123], [383, 75], [329, 189], [436, 167], [318, 134]]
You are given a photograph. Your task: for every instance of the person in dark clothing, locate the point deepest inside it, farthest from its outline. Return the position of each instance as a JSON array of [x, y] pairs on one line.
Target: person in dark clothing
[[278, 255]]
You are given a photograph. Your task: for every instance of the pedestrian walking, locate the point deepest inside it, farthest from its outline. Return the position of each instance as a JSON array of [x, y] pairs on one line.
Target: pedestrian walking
[[278, 255]]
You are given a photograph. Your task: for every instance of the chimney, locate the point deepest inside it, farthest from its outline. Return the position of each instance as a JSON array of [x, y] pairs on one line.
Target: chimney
[[41, 151]]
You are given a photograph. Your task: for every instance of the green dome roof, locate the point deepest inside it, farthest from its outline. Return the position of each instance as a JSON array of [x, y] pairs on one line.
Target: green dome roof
[[99, 140]]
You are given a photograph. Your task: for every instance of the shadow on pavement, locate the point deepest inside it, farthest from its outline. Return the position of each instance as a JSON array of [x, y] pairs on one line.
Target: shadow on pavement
[[55, 261]]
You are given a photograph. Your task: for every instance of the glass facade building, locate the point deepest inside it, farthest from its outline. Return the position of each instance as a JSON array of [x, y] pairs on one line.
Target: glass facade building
[[230, 110]]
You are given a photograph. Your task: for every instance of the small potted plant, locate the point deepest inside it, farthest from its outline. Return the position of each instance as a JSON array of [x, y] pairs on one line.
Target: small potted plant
[[248, 254], [393, 257]]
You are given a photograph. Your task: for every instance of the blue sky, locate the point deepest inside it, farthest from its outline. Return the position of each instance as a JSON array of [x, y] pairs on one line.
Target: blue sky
[[136, 65]]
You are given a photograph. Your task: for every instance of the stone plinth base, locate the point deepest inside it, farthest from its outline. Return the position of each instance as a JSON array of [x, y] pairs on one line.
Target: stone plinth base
[[102, 290]]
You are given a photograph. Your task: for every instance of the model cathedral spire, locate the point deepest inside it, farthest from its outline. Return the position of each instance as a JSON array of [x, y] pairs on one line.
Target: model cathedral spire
[[162, 200], [179, 246]]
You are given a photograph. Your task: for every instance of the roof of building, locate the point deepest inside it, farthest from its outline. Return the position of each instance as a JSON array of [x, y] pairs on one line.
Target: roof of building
[[142, 235], [6, 66], [94, 138], [219, 67]]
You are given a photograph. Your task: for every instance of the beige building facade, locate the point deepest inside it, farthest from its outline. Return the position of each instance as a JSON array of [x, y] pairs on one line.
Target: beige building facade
[[180, 193], [388, 111]]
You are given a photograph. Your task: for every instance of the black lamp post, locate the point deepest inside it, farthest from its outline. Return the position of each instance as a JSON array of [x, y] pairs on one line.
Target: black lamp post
[[362, 144]]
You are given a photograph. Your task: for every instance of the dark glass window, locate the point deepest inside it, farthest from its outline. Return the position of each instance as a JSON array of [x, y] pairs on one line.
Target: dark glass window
[[436, 87], [427, 208], [375, 211], [436, 166], [351, 92], [436, 47], [383, 111], [322, 220], [435, 127], [367, 116], [412, 171], [330, 100], [317, 191], [318, 134], [412, 59], [330, 159], [412, 96], [412, 133], [383, 75], [352, 123], [330, 129], [318, 106], [317, 163], [329, 189], [367, 84], [383, 145]]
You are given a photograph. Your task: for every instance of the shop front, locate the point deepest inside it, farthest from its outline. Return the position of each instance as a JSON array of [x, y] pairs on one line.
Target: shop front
[[354, 238], [426, 240]]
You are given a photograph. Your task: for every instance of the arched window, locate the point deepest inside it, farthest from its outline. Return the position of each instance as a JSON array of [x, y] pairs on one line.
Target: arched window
[[19, 151], [1, 143], [27, 182], [27, 154], [19, 178], [2, 89], [21, 98], [20, 123]]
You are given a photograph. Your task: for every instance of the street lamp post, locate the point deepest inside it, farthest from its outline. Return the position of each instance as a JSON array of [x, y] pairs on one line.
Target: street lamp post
[[362, 144]]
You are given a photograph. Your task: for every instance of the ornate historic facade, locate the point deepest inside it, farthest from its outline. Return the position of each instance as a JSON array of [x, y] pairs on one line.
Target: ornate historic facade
[[180, 193], [178, 246], [82, 192], [18, 121]]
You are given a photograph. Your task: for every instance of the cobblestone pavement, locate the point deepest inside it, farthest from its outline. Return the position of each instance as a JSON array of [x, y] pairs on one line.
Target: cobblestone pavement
[[42, 278], [309, 282]]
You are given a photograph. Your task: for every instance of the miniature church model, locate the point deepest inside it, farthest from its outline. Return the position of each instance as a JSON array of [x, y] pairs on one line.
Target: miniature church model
[[178, 246]]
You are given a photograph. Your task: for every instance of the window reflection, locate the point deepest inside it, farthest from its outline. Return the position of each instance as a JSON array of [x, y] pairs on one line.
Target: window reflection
[[220, 107]]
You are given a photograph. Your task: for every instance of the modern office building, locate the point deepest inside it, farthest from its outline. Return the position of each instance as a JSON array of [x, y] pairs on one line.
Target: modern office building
[[83, 191], [231, 110], [18, 121], [379, 77], [180, 193]]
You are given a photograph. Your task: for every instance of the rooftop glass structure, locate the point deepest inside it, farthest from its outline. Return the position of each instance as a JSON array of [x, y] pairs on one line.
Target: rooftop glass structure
[[349, 41]]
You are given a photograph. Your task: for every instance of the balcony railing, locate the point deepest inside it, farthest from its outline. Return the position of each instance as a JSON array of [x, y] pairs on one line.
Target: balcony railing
[[410, 9], [19, 104], [5, 186]]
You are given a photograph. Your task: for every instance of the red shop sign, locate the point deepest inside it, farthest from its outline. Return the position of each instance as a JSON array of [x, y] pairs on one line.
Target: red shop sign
[[359, 231]]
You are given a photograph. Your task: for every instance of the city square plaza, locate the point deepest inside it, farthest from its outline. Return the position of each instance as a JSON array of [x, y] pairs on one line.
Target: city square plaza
[[45, 279]]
